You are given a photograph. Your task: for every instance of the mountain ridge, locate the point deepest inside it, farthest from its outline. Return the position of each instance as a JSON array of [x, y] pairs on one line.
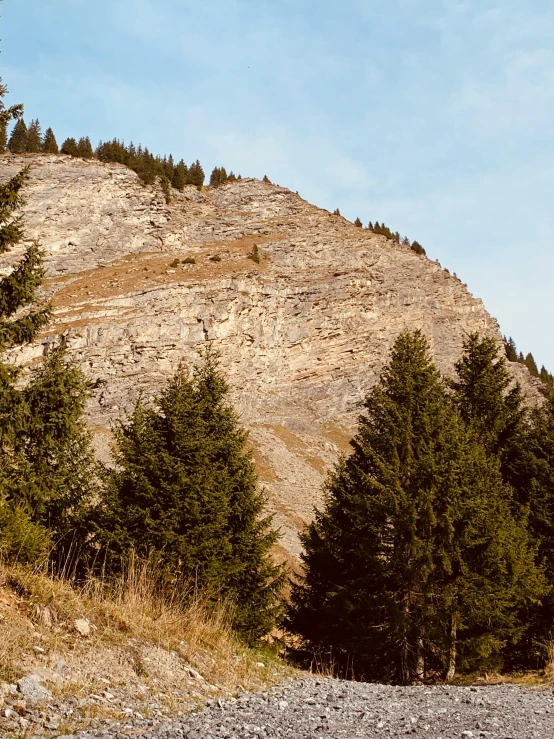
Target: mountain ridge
[[303, 306]]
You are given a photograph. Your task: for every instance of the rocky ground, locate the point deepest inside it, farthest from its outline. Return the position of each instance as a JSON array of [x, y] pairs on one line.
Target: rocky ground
[[305, 709]]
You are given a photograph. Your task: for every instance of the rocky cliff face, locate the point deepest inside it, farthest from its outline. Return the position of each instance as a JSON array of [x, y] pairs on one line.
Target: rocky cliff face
[[303, 333]]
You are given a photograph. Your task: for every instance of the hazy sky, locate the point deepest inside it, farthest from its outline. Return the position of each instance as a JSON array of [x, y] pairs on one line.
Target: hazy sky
[[436, 117]]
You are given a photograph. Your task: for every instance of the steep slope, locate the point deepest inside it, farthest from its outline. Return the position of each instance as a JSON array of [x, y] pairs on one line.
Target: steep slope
[[303, 333]]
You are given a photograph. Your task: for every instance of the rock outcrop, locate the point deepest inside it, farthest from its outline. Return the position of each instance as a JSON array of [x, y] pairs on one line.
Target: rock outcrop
[[303, 333]]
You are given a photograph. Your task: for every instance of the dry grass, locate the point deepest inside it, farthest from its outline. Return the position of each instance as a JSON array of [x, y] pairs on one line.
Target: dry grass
[[150, 649]]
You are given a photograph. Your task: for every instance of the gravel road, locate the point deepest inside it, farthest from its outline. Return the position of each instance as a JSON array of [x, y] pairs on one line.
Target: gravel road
[[309, 709]]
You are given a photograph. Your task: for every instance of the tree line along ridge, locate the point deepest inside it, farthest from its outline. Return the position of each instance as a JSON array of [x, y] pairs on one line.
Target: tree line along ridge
[[433, 549]]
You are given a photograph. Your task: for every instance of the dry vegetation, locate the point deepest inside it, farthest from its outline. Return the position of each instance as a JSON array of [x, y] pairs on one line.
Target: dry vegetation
[[145, 653]]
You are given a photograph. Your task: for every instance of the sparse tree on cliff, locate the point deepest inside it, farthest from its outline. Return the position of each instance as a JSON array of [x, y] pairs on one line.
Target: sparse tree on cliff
[[180, 176], [416, 557], [17, 143], [196, 175], [358, 223], [84, 148], [184, 486], [34, 137], [50, 145], [70, 147]]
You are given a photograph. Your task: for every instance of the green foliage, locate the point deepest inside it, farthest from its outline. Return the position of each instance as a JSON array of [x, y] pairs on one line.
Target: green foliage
[[18, 289], [416, 246], [531, 365], [21, 539], [166, 188], [3, 137], [416, 554], [184, 486], [70, 147], [17, 143], [358, 223], [179, 179], [487, 398], [196, 175], [34, 137], [218, 177], [49, 144], [512, 355], [84, 148], [189, 260]]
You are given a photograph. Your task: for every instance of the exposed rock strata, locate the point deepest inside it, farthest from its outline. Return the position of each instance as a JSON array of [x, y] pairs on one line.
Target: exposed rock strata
[[303, 334]]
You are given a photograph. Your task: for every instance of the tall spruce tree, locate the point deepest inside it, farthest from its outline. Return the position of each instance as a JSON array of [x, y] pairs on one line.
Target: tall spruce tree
[[489, 400], [45, 456], [416, 556], [180, 176], [34, 137], [49, 144], [184, 487], [17, 143]]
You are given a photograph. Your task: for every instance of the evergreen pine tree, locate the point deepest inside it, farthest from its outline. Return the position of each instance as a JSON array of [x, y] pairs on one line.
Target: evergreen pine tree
[[49, 144], [510, 348], [48, 467], [34, 137], [416, 246], [358, 223], [487, 400], [196, 175], [3, 136], [531, 365], [180, 176], [70, 147], [416, 545], [84, 148], [17, 143], [185, 487]]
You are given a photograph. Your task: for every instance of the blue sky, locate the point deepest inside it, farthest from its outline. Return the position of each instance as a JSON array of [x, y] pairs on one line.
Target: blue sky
[[436, 117]]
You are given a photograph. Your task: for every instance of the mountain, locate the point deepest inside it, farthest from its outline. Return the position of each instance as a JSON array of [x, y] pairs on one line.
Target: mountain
[[303, 306]]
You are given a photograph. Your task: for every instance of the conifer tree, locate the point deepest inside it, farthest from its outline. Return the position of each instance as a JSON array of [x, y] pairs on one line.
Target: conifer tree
[[196, 175], [358, 223], [17, 143], [84, 148], [184, 487], [3, 136], [488, 400], [416, 545], [180, 176], [70, 147], [510, 348], [34, 137], [49, 144], [48, 467], [531, 365], [416, 246]]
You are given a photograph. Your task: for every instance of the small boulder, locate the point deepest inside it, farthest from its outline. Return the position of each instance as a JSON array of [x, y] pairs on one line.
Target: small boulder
[[32, 689], [82, 626]]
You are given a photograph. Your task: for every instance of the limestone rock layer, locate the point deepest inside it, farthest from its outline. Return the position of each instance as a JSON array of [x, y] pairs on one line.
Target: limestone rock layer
[[303, 333]]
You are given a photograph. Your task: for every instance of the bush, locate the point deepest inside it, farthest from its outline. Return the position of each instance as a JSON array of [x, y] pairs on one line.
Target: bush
[[22, 540], [189, 260]]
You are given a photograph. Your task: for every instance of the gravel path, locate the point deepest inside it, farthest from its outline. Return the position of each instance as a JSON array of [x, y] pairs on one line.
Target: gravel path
[[309, 709]]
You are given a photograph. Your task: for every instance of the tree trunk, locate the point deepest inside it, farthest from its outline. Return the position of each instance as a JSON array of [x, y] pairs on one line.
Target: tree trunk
[[420, 662], [451, 667]]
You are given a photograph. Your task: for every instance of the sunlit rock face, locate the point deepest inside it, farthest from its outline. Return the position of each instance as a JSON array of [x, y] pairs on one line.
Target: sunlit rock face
[[303, 333]]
